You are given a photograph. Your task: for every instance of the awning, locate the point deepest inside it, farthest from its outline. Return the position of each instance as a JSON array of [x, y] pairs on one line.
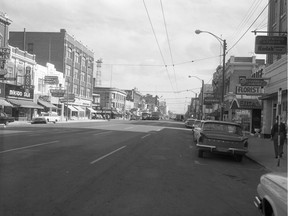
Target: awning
[[91, 110], [79, 109], [5, 103], [72, 109], [25, 104], [246, 104], [46, 104]]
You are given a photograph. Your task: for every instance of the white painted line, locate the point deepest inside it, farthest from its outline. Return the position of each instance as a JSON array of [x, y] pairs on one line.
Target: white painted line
[[145, 136], [159, 129], [128, 128], [107, 155], [106, 132], [31, 146]]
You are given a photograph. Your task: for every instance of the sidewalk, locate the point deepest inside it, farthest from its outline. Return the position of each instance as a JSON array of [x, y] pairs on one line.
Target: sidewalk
[[262, 151]]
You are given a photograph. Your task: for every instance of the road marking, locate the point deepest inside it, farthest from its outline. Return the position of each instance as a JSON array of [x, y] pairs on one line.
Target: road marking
[[107, 155], [128, 128], [145, 136], [106, 132], [159, 129], [31, 146]]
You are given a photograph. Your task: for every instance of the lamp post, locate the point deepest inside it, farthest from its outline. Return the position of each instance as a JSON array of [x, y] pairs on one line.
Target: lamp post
[[224, 46], [202, 104]]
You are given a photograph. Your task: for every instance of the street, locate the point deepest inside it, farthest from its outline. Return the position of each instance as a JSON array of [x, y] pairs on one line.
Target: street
[[119, 168]]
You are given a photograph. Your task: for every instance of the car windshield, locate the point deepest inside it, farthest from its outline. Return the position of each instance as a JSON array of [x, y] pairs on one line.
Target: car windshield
[[227, 128]]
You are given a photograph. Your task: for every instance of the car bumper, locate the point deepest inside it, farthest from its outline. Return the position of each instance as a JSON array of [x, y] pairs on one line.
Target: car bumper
[[258, 203], [211, 148]]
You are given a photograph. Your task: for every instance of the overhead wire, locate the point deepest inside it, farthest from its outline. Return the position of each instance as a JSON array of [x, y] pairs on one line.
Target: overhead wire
[[157, 43], [249, 27], [169, 45]]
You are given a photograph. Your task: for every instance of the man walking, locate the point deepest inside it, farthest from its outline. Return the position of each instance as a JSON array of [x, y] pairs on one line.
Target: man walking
[[278, 149]]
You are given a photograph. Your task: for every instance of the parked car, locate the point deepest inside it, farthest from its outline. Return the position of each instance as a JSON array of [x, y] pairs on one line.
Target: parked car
[[39, 120], [189, 122], [51, 117], [222, 137], [5, 119], [272, 194]]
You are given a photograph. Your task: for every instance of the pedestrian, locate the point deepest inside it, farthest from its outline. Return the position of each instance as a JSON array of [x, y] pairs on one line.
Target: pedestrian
[[274, 136]]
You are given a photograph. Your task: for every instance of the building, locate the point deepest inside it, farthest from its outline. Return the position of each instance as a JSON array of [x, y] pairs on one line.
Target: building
[[112, 101], [49, 88], [134, 96], [276, 70], [241, 98], [70, 57]]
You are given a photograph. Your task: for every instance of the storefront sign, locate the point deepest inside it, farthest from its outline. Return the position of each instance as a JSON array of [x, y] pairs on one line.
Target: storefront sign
[[52, 80], [57, 92], [18, 91], [70, 98], [246, 104], [271, 45], [252, 82], [248, 90], [27, 77], [210, 101], [4, 53]]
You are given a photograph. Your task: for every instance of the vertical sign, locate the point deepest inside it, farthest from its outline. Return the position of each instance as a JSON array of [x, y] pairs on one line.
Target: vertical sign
[[279, 122], [27, 78]]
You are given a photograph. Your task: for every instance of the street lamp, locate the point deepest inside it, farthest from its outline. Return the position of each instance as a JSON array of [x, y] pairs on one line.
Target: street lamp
[[202, 104], [224, 46]]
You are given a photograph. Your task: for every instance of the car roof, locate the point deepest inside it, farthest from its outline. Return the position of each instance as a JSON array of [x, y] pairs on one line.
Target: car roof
[[221, 122]]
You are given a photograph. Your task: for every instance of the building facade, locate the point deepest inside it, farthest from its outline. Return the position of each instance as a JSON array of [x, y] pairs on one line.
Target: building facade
[[276, 69], [70, 57]]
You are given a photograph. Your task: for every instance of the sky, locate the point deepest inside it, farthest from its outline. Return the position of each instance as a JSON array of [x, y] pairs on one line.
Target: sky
[[150, 45]]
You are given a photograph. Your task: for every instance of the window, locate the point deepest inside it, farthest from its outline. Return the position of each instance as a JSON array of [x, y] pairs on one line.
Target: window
[[41, 85], [69, 53], [76, 73], [75, 89], [89, 79], [76, 57], [83, 61], [82, 92], [88, 93], [83, 76], [68, 70]]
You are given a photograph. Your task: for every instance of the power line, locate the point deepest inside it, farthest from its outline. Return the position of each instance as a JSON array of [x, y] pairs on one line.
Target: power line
[[248, 28], [168, 40], [157, 42]]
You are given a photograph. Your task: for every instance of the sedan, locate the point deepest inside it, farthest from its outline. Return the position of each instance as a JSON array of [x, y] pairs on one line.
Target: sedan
[[222, 137], [272, 194], [39, 120], [189, 122]]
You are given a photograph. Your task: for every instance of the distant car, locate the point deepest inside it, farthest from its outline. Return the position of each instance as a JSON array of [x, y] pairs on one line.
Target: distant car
[[189, 122], [51, 117], [272, 194], [39, 120], [222, 137], [5, 119]]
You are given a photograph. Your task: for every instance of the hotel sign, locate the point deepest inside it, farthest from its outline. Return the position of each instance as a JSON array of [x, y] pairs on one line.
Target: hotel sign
[[248, 90]]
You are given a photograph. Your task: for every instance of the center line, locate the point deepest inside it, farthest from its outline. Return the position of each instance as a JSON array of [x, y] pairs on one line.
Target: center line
[[145, 136], [107, 155], [31, 146]]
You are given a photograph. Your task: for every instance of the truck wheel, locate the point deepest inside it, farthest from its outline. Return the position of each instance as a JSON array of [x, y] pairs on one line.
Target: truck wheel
[[200, 153], [238, 158]]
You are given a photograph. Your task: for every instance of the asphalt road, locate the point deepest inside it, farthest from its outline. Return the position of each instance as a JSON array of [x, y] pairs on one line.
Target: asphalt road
[[119, 168]]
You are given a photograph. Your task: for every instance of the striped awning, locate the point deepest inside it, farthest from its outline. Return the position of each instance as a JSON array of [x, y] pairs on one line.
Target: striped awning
[[3, 102], [46, 104]]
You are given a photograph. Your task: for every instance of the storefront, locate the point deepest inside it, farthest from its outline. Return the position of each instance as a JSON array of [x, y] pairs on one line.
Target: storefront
[[247, 112], [23, 108]]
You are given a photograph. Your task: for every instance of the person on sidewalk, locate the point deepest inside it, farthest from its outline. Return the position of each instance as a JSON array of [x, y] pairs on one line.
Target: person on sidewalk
[[274, 133]]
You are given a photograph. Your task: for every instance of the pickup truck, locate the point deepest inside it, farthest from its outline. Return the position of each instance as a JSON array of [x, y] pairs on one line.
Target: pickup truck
[[5, 119]]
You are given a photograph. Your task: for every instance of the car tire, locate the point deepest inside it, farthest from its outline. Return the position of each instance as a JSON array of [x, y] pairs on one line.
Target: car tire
[[239, 158], [200, 153]]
